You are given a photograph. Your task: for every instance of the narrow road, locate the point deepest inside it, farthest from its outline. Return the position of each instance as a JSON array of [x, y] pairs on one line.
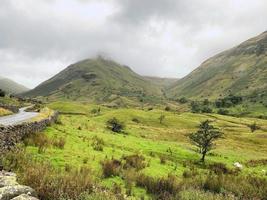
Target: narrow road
[[17, 118]]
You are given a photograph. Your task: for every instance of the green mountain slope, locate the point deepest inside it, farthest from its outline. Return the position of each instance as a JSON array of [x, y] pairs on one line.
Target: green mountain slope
[[241, 70], [97, 80], [161, 82], [11, 87]]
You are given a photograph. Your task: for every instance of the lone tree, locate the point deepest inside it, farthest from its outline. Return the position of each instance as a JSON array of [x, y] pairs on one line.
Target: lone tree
[[204, 138]]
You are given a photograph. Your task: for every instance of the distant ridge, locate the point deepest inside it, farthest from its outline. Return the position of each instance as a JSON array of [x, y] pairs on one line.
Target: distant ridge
[[11, 87], [241, 70]]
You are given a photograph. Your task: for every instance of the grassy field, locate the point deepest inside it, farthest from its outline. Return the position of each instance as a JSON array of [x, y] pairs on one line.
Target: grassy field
[[144, 135]]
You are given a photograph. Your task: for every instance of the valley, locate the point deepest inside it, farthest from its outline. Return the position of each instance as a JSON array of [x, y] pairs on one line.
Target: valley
[[97, 130]]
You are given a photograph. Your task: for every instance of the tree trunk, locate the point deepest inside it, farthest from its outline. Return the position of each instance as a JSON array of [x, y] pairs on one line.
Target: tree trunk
[[203, 157]]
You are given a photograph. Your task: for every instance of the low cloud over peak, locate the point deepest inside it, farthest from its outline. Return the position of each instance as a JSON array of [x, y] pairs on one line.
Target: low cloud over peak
[[165, 38]]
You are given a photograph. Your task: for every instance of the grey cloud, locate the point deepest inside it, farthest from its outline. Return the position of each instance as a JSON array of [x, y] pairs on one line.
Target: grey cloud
[[155, 37]]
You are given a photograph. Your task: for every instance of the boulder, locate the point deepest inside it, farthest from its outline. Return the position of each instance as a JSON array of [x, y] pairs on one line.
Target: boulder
[[24, 197], [7, 179], [9, 192]]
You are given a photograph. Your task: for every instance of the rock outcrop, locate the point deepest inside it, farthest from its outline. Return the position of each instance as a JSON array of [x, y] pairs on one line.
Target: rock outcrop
[[10, 189]]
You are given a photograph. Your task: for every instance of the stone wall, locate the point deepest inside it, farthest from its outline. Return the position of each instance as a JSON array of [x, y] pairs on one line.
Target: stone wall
[[10, 135]]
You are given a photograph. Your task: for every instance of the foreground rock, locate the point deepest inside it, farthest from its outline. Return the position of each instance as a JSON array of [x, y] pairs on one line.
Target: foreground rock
[[10, 189]]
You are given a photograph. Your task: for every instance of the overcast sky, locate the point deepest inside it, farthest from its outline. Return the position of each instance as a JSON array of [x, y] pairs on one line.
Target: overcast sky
[[167, 38]]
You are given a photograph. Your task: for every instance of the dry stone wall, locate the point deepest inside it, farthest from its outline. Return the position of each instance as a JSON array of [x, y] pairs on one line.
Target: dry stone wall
[[10, 135]]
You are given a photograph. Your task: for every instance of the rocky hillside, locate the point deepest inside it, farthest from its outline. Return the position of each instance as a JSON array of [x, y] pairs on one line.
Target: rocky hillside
[[97, 80], [11, 87], [241, 70]]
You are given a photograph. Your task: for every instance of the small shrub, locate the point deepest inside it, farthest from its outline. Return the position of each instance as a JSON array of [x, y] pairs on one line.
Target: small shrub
[[213, 183], [192, 172], [163, 159], [38, 140], [219, 168], [58, 122], [98, 143], [115, 125], [160, 187], [59, 142], [222, 111], [96, 111], [136, 120], [134, 161], [253, 127], [111, 168], [2, 93], [182, 100], [85, 160], [255, 163], [167, 108], [206, 109]]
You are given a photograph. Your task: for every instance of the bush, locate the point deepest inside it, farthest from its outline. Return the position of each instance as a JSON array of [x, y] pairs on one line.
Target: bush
[[206, 109], [38, 140], [134, 161], [136, 120], [160, 187], [243, 187], [59, 142], [111, 168], [192, 172], [150, 108], [182, 100], [98, 143], [219, 168], [253, 127], [195, 107], [255, 163], [167, 108], [115, 125], [2, 93], [163, 159], [223, 111], [96, 111]]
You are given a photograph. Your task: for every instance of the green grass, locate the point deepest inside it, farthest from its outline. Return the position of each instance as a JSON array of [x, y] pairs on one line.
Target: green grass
[[9, 101], [149, 138]]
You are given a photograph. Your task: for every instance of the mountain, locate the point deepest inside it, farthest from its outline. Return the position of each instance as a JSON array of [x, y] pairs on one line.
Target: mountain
[[97, 80], [241, 70], [11, 87]]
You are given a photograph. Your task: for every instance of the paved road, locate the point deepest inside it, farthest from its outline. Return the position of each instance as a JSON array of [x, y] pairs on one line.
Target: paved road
[[17, 118]]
